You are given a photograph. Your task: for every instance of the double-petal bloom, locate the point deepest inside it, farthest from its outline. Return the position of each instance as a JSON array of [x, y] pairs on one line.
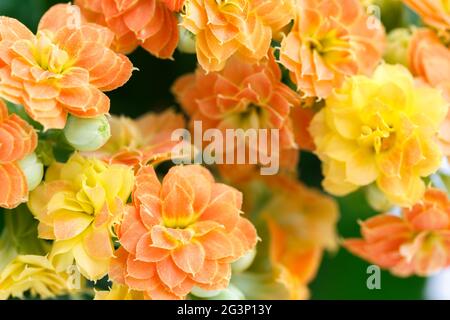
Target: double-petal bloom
[[224, 28], [63, 69], [77, 207], [180, 233], [331, 39], [384, 129], [417, 243], [242, 96], [17, 140], [151, 24]]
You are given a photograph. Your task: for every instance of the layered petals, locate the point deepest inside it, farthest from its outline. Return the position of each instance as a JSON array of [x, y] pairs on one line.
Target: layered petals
[[329, 41], [180, 233], [380, 129], [62, 69], [417, 243]]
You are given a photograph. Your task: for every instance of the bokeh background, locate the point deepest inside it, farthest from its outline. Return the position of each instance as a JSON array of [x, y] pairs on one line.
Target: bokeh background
[[341, 276]]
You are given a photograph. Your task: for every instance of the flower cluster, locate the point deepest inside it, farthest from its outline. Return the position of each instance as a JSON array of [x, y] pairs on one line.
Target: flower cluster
[[224, 168]]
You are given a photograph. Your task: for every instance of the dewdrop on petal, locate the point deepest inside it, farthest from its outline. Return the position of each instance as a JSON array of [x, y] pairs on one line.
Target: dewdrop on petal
[[33, 170], [230, 293], [186, 43], [87, 134], [245, 262], [397, 46]]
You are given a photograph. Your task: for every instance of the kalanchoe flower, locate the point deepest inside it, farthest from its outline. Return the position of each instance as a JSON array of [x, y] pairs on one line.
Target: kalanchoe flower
[[429, 60], [151, 24], [302, 224], [181, 233], [398, 43], [234, 27], [87, 134], [242, 96], [77, 206], [17, 140], [330, 39], [33, 169], [119, 292], [417, 243], [63, 69], [34, 274], [380, 129]]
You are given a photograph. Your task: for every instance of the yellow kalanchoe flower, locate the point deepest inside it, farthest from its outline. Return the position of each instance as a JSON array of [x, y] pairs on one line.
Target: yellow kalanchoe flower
[[381, 129], [34, 274], [77, 206]]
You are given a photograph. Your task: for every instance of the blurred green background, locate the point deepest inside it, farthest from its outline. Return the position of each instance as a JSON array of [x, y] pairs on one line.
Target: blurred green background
[[341, 276]]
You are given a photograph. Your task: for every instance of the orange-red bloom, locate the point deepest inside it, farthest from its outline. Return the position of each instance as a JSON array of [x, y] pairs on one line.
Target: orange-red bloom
[[331, 39], [229, 27], [241, 96], [180, 233], [61, 70], [151, 24], [418, 242], [17, 140]]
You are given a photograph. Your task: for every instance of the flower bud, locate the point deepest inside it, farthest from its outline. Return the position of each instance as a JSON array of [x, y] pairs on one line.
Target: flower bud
[[377, 199], [201, 293], [87, 134], [397, 46], [244, 262], [33, 170], [230, 293], [186, 44]]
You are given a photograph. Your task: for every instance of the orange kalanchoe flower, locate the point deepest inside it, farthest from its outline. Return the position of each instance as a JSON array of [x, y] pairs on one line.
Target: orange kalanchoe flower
[[435, 13], [61, 70], [180, 233], [302, 224], [17, 140], [228, 27], [241, 96], [417, 243], [429, 60], [331, 39], [151, 24], [136, 142]]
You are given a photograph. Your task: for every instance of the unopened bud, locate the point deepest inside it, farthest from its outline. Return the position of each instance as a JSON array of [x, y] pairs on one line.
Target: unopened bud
[[397, 46], [244, 262], [377, 199], [87, 134], [186, 43], [33, 170], [230, 293]]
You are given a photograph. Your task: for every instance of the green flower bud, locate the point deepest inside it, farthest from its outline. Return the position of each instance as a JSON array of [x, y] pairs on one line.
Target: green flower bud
[[244, 262], [201, 293], [397, 46], [377, 199], [186, 42], [230, 293], [87, 134], [33, 170]]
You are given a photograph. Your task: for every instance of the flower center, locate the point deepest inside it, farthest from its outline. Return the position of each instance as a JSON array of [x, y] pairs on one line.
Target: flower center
[[381, 136], [48, 55]]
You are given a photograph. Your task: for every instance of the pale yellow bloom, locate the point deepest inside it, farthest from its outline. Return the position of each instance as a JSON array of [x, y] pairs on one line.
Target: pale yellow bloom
[[77, 206], [381, 129]]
